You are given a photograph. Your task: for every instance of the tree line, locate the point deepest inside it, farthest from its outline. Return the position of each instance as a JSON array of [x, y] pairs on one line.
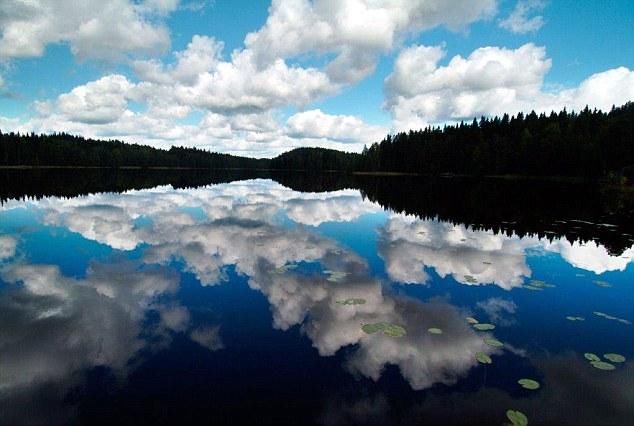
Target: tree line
[[590, 143]]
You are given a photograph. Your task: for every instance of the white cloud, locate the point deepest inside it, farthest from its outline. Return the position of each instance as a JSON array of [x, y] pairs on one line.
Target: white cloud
[[299, 26], [345, 128], [93, 28], [408, 246], [491, 80], [8, 245], [208, 337], [98, 102], [521, 19], [590, 256], [98, 319], [257, 80]]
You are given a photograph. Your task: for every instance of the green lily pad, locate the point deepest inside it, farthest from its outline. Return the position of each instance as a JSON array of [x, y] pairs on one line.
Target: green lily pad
[[624, 321], [603, 365], [472, 320], [483, 358], [603, 284], [571, 318], [372, 328], [540, 284], [393, 330], [335, 276], [487, 263], [483, 327], [533, 288], [390, 330], [470, 279], [352, 301], [434, 330], [493, 343], [517, 418], [600, 314], [591, 357], [529, 384], [618, 358]]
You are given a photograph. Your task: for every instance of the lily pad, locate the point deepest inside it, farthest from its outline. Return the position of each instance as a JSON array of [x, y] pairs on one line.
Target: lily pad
[[603, 365], [603, 284], [591, 357], [351, 301], [529, 384], [335, 276], [470, 279], [540, 284], [614, 357], [487, 263], [531, 287], [493, 343], [483, 327], [434, 330], [483, 358], [372, 328], [391, 330], [571, 318], [517, 418], [472, 320]]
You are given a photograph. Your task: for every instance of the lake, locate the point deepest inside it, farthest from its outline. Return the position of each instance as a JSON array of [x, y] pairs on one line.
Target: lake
[[163, 298]]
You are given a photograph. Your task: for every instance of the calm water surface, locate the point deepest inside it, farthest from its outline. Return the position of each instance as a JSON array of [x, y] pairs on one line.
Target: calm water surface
[[244, 302]]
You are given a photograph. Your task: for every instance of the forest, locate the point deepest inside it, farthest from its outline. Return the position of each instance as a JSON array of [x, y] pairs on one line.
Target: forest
[[589, 143]]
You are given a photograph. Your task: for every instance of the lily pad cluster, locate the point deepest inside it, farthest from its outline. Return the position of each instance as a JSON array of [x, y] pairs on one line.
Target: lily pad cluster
[[472, 320], [613, 318], [388, 329], [351, 301], [598, 363]]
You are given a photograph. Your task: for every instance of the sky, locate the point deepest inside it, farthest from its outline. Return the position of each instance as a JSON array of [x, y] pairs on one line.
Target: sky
[[258, 78]]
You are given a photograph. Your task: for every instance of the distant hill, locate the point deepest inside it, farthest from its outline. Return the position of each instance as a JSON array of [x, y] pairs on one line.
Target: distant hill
[[589, 143]]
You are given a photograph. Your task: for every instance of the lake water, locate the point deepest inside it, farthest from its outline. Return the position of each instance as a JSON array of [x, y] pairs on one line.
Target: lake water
[[249, 302]]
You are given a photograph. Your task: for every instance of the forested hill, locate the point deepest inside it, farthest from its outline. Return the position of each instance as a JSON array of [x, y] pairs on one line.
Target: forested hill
[[589, 143]]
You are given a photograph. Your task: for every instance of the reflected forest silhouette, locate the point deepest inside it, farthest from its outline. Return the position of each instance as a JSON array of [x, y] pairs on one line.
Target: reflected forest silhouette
[[577, 211]]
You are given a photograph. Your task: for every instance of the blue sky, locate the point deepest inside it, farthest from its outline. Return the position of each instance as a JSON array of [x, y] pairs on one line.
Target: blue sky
[[259, 78]]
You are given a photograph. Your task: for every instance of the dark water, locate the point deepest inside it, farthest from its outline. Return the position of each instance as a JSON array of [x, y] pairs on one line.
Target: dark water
[[175, 303]]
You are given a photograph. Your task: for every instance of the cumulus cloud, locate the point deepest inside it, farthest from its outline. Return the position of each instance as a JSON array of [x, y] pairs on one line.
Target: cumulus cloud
[[408, 246], [81, 322], [491, 80], [345, 128], [92, 28], [590, 256], [499, 310], [208, 337], [255, 81], [8, 245], [522, 19]]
